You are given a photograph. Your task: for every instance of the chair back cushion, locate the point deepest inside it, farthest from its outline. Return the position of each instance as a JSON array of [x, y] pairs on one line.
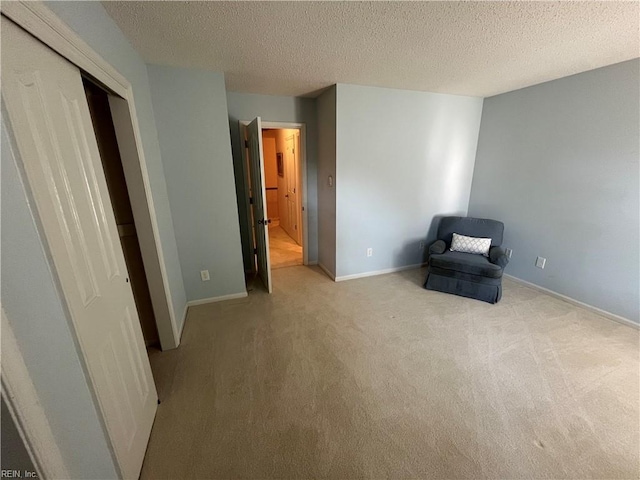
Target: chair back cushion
[[471, 227]]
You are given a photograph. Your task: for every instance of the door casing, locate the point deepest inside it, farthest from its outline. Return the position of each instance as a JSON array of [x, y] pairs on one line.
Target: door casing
[[302, 161]]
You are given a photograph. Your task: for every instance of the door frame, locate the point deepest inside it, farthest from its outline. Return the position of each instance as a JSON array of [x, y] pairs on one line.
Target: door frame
[[42, 23], [302, 128]]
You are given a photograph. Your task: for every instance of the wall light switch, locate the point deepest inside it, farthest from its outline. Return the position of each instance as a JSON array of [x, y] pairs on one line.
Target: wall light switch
[[540, 261], [369, 252], [509, 252], [204, 275]]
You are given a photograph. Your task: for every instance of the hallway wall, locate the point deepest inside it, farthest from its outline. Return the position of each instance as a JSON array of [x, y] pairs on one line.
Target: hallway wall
[[327, 192]]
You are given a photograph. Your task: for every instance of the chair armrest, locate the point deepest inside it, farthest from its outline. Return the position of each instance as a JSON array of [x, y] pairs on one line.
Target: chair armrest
[[437, 247], [498, 256]]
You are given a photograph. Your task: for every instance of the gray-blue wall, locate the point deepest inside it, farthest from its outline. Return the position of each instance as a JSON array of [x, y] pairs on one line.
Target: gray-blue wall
[[403, 157], [190, 108], [326, 105], [558, 164], [271, 108], [91, 22]]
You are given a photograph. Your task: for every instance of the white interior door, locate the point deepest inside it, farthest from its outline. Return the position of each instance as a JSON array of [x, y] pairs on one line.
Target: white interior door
[[259, 195], [299, 186], [291, 177], [49, 116]]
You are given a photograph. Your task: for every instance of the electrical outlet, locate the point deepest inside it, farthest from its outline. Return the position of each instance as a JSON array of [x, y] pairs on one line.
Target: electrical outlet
[[509, 252], [421, 247], [204, 275], [369, 252], [540, 262]]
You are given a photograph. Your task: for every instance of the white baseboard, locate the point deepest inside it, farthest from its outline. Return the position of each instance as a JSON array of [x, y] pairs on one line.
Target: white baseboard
[[184, 321], [573, 301], [379, 272], [221, 298], [326, 270]]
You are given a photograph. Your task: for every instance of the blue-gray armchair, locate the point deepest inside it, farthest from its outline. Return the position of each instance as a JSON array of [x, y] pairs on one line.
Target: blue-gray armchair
[[467, 274]]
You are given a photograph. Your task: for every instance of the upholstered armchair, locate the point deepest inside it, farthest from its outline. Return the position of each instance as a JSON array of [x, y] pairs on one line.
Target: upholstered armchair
[[472, 275]]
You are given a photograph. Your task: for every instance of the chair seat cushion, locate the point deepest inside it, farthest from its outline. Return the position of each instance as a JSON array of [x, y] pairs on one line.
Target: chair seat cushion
[[466, 263]]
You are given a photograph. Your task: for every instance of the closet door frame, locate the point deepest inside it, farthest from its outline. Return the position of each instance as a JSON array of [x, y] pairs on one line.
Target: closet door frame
[[42, 23]]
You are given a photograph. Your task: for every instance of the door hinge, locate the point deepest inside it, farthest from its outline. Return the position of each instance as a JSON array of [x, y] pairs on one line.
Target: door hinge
[[295, 227], [250, 200], [246, 144], [255, 251]]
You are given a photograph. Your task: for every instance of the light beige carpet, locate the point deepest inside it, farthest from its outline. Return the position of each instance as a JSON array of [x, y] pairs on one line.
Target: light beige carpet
[[283, 250], [379, 378]]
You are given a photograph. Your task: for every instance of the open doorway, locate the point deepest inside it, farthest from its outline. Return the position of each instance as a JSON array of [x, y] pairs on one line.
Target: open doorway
[[100, 111], [281, 168], [275, 164]]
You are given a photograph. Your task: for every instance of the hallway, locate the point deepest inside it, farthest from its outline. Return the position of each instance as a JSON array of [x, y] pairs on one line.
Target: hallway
[[284, 251]]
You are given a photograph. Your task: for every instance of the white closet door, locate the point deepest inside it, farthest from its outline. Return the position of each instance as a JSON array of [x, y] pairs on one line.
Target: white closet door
[[49, 117]]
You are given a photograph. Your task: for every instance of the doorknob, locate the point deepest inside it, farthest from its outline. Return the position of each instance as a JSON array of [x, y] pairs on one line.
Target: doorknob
[[264, 221]]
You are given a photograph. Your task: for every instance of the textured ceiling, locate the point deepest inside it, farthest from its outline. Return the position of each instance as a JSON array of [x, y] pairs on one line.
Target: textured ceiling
[[298, 48]]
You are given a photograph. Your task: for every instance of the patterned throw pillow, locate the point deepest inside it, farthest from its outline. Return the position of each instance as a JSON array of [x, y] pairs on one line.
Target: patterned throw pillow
[[460, 243]]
